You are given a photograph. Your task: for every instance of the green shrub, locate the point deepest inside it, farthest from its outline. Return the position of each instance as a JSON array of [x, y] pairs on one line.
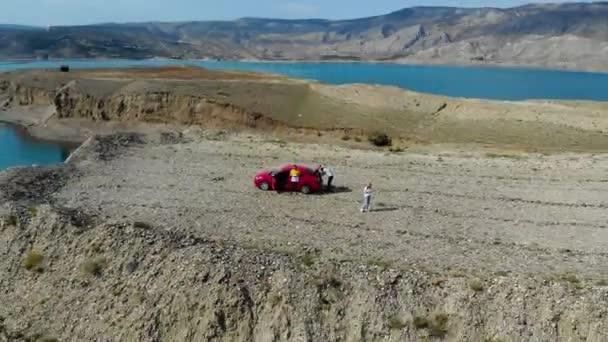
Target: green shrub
[[395, 323], [476, 285], [380, 139], [420, 322], [93, 266], [33, 211], [438, 324], [33, 260], [11, 220], [570, 278], [308, 259]]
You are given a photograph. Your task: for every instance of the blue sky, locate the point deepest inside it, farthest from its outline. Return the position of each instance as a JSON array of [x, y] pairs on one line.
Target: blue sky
[[71, 12]]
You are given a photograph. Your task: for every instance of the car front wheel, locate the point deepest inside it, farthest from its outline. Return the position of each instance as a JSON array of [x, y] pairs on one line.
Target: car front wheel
[[264, 186]]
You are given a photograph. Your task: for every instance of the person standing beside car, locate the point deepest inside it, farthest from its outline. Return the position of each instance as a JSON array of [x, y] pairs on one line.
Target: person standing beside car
[[330, 172], [294, 176]]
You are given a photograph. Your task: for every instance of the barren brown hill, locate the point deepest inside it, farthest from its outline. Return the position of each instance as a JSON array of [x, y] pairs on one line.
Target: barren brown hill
[[185, 95]]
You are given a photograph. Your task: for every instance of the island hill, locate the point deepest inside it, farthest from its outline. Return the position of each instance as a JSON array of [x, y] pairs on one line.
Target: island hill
[[70, 105], [152, 230]]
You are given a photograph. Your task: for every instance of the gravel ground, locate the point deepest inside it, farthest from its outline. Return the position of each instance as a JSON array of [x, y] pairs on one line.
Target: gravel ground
[[473, 213]]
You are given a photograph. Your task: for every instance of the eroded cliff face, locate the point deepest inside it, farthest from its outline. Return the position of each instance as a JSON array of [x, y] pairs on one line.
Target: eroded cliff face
[[15, 94], [70, 101], [120, 280]]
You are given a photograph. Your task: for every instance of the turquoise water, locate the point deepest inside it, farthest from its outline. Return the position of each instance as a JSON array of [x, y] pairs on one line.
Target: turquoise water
[[17, 149], [475, 82]]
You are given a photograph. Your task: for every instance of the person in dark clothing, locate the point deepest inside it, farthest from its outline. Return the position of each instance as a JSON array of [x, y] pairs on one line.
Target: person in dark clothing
[[330, 172]]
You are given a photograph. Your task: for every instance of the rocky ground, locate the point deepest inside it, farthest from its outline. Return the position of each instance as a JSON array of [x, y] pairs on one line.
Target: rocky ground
[[153, 230], [163, 237]]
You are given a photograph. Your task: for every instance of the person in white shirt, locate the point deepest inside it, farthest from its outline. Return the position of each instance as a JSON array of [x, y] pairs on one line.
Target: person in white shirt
[[367, 198], [330, 172]]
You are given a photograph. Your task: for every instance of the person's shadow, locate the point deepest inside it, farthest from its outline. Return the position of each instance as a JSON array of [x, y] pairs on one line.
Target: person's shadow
[[335, 190], [384, 209]]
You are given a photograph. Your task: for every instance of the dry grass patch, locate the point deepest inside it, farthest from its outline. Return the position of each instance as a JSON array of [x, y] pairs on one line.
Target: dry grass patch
[[33, 261], [93, 266], [380, 139], [395, 323], [436, 324], [476, 285]]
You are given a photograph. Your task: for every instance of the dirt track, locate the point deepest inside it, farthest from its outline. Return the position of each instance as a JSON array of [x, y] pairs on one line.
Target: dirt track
[[538, 215]]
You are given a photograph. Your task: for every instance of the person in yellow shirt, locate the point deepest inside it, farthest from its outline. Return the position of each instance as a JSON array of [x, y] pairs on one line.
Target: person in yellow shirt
[[294, 177]]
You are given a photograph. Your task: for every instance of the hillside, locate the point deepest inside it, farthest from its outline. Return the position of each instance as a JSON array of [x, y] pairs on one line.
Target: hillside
[[153, 231], [163, 238], [195, 96], [571, 35]]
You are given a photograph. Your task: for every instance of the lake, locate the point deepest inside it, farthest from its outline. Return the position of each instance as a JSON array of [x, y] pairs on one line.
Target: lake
[[475, 82], [17, 149]]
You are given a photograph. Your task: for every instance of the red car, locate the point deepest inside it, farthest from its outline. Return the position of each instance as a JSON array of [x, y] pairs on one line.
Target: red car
[[278, 180]]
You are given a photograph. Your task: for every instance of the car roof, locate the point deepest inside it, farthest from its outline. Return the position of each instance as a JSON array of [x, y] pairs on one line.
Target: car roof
[[287, 167]]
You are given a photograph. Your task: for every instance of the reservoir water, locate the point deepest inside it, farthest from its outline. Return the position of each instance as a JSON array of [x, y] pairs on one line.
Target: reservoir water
[[475, 82], [18, 149]]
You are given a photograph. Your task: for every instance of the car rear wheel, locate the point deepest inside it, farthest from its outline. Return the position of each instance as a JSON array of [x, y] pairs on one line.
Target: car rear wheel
[[305, 189], [264, 186]]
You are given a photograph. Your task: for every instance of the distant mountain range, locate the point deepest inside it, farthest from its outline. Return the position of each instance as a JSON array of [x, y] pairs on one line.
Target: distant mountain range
[[571, 35]]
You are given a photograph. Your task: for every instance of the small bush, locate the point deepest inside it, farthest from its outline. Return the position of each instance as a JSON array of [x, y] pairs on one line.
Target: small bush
[[33, 211], [438, 325], [457, 274], [11, 220], [380, 139], [142, 225], [382, 264], [438, 281], [504, 156], [345, 137], [395, 323], [93, 266], [570, 278], [33, 261], [420, 322], [47, 339], [308, 259], [275, 300], [476, 285]]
